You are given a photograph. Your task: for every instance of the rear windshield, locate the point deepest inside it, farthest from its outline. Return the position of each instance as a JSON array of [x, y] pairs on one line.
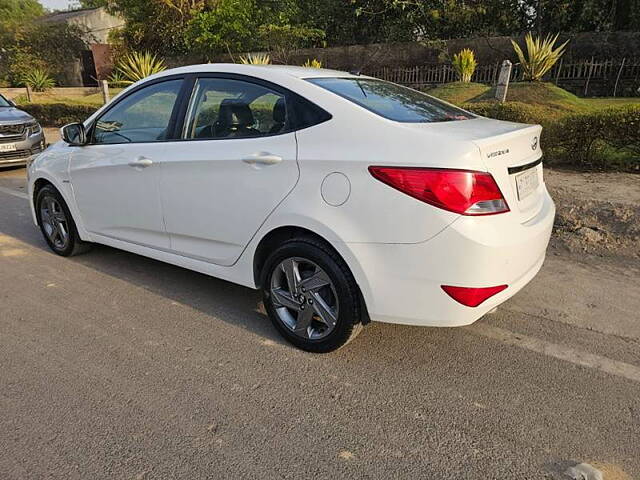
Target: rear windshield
[[392, 101], [3, 102]]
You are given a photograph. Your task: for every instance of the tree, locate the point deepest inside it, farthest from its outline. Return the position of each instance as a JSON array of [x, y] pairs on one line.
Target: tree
[[155, 25], [282, 39], [211, 27], [19, 10], [39, 46], [232, 26], [584, 16]]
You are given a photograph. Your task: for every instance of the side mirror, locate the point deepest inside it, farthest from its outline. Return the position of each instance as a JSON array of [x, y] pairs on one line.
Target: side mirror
[[11, 103], [74, 134]]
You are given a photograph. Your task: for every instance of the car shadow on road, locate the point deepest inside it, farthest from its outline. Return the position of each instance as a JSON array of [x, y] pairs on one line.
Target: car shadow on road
[[219, 299], [240, 306], [216, 298]]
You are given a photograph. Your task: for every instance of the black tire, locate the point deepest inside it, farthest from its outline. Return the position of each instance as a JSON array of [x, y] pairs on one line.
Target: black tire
[[73, 244], [344, 294]]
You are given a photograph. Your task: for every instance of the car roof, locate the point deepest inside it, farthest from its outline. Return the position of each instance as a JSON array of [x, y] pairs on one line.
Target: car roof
[[264, 71]]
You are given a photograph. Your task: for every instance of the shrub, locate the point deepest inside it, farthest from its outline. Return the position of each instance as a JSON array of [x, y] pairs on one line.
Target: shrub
[[19, 64], [464, 63], [312, 63], [541, 55], [58, 114], [607, 139], [39, 80], [622, 128], [116, 79], [509, 111], [256, 59], [138, 65]]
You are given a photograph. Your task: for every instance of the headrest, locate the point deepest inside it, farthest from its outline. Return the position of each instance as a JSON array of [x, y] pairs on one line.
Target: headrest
[[235, 112], [280, 111]]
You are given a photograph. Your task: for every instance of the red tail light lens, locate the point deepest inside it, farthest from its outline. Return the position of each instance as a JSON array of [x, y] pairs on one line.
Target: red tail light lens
[[461, 191], [472, 297]]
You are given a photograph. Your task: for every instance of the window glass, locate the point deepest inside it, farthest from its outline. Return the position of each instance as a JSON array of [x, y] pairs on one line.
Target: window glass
[[3, 102], [226, 108], [392, 101], [308, 114], [142, 116]]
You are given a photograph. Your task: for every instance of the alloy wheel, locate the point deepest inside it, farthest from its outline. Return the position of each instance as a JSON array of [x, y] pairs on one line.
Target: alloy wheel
[[54, 222], [304, 298]]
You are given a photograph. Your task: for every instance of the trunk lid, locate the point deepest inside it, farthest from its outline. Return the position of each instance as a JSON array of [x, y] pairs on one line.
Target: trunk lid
[[514, 158], [510, 152]]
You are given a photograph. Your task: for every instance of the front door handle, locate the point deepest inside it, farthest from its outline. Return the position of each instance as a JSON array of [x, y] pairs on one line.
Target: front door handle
[[262, 158], [141, 162]]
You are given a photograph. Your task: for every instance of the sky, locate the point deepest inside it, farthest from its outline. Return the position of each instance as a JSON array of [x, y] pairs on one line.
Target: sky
[[56, 4]]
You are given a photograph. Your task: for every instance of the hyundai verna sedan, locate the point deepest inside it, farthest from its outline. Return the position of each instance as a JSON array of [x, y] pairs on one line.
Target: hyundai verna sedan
[[21, 137], [344, 198]]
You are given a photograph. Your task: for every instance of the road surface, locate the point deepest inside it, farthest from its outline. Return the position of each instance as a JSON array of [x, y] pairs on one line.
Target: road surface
[[117, 366]]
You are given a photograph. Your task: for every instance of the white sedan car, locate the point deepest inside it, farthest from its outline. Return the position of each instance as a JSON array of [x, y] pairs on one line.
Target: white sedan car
[[344, 198]]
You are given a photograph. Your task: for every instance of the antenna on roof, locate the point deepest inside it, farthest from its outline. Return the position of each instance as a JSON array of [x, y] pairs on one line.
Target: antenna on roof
[[355, 72]]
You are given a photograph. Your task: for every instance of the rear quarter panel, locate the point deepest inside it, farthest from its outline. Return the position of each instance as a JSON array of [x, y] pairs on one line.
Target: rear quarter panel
[[374, 212]]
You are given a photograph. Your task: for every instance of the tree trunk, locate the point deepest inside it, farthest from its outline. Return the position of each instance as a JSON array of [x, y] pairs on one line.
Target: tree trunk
[[622, 18]]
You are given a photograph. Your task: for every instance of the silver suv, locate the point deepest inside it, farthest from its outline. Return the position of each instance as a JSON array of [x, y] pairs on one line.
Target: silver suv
[[21, 137]]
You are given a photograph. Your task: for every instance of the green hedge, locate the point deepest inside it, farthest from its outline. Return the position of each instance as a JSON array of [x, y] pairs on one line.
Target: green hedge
[[510, 111], [57, 114], [608, 138]]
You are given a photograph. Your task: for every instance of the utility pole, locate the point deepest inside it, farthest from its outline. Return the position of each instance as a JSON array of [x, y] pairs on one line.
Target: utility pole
[[104, 87]]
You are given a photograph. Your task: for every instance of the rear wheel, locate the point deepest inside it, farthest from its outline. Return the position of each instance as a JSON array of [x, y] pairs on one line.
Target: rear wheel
[[57, 225], [311, 296]]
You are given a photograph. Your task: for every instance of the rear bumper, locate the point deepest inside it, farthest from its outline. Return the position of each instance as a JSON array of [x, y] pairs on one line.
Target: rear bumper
[[404, 280]]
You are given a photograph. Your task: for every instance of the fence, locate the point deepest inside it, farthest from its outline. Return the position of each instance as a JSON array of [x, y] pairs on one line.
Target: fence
[[613, 77]]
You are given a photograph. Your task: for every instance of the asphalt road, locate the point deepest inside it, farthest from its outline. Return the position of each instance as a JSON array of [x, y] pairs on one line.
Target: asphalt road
[[117, 366]]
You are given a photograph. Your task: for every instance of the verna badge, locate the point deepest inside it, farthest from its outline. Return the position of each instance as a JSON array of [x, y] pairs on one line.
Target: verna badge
[[534, 143], [497, 153]]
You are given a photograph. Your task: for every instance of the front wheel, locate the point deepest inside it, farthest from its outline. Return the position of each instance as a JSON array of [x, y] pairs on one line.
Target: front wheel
[[311, 296], [56, 223]]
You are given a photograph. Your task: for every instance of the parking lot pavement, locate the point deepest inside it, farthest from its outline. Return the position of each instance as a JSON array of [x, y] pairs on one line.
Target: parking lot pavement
[[117, 366]]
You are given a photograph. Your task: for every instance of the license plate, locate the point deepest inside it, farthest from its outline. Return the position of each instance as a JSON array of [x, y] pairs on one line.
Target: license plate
[[527, 182], [7, 147]]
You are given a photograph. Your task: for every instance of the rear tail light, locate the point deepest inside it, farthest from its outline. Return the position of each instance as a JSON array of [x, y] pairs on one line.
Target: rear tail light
[[472, 297], [461, 191]]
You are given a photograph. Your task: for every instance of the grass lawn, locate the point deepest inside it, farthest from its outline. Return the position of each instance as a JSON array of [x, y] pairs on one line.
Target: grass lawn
[[546, 95], [94, 100]]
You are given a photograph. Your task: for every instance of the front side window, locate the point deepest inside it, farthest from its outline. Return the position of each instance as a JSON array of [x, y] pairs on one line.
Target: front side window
[[227, 108], [3, 102], [143, 116], [392, 101]]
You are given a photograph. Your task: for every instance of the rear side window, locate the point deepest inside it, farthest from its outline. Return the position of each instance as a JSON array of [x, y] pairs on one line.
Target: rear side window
[[392, 101], [307, 114], [229, 108]]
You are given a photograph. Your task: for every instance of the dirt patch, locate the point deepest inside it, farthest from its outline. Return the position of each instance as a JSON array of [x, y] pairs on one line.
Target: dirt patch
[[596, 212]]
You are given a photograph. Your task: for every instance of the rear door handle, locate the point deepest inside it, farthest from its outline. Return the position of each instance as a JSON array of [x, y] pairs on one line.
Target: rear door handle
[[262, 158], [141, 162]]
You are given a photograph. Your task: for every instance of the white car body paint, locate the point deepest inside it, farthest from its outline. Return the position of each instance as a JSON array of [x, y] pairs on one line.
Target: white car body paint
[[399, 249]]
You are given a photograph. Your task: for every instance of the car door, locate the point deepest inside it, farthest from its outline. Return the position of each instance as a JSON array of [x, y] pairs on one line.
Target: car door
[[116, 176], [237, 161]]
